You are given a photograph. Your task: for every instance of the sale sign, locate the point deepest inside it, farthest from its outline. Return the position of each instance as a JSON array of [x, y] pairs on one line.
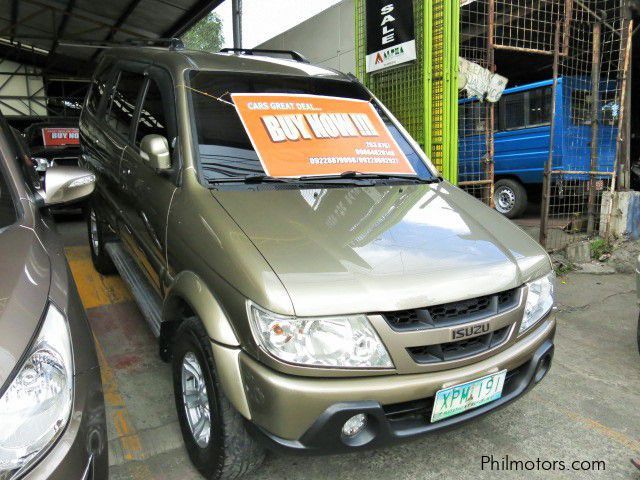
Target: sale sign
[[57, 137], [309, 135]]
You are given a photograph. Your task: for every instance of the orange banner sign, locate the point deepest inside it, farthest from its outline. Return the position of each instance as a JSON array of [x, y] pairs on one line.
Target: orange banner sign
[[310, 135]]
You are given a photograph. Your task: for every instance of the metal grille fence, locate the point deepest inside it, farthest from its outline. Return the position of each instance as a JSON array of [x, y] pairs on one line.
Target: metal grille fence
[[401, 89], [422, 94], [475, 129], [527, 25], [587, 118]]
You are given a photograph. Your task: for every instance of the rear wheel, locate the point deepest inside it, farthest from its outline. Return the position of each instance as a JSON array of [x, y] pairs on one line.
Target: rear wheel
[[213, 431], [97, 236], [510, 198]]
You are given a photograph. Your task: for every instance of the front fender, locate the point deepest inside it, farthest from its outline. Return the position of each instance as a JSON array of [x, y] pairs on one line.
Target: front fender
[[188, 287]]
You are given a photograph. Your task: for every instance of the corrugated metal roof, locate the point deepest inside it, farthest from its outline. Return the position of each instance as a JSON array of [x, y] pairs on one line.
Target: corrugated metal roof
[[38, 31]]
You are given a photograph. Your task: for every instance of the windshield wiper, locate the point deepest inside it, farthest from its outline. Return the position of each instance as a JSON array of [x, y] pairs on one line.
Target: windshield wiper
[[370, 176], [258, 179], [251, 179]]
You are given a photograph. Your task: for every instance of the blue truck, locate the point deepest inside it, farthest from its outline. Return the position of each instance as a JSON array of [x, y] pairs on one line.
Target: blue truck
[[522, 135]]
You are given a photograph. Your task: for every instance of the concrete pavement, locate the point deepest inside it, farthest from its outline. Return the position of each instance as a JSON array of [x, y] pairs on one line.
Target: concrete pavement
[[587, 409]]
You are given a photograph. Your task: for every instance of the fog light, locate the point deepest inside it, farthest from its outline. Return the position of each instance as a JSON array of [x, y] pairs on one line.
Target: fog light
[[543, 368], [354, 425]]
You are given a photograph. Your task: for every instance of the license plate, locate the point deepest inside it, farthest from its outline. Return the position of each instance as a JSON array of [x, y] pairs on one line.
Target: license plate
[[455, 400]]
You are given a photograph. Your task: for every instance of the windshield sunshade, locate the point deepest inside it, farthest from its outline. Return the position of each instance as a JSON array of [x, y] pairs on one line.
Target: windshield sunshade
[[226, 151]]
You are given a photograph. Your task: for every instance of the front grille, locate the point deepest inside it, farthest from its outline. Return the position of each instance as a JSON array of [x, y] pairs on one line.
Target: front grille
[[449, 352], [455, 313]]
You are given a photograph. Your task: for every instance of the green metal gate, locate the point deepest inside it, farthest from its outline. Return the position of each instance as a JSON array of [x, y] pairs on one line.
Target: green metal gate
[[423, 95]]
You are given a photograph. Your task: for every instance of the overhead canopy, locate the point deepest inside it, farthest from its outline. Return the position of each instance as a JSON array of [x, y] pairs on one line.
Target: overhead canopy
[[36, 31]]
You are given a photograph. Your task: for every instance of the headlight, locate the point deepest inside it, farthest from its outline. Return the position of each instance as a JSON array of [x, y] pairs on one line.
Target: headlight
[[539, 301], [340, 342], [36, 406]]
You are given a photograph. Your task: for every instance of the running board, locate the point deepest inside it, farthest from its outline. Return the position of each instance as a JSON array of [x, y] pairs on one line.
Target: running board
[[147, 299]]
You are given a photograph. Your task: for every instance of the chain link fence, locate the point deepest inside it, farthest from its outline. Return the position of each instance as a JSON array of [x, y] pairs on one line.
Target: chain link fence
[[420, 93], [589, 81], [401, 89], [475, 125]]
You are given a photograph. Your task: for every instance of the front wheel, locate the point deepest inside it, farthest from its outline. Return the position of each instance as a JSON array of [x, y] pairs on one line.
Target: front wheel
[[213, 431], [510, 198]]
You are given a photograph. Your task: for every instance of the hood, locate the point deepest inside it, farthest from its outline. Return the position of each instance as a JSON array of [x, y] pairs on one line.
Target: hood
[[383, 248], [24, 287]]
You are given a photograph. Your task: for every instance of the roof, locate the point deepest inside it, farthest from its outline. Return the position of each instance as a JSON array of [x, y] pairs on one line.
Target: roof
[[37, 32], [179, 60]]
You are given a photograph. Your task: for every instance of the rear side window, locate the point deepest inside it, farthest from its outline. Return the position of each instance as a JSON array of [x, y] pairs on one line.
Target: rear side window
[[99, 86], [122, 104], [512, 109], [525, 109], [152, 117], [540, 106]]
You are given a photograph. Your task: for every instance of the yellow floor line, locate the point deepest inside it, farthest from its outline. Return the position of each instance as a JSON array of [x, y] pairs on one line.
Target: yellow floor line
[[591, 424], [95, 290], [129, 439]]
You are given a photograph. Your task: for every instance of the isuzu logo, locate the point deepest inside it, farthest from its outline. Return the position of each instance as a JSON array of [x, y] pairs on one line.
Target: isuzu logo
[[470, 331]]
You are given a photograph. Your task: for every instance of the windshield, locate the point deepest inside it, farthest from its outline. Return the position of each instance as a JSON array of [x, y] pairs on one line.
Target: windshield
[[7, 208], [225, 150]]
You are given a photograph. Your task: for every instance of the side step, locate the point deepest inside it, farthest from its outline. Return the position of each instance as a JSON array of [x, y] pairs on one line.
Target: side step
[[147, 299]]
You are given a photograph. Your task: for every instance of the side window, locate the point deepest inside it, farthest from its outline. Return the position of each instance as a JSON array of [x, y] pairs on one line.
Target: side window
[[152, 117], [122, 104], [512, 111], [98, 86], [540, 106]]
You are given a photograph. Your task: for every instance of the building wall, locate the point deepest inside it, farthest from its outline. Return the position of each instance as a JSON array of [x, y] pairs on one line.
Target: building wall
[[20, 86], [337, 46]]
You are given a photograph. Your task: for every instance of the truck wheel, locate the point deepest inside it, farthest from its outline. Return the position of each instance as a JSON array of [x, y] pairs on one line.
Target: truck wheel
[[510, 198], [213, 431], [96, 230]]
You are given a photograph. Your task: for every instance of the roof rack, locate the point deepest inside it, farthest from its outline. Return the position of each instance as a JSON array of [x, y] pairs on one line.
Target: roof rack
[[170, 43], [266, 51]]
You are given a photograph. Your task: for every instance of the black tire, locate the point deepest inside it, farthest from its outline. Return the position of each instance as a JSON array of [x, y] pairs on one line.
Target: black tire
[[97, 237], [510, 198], [230, 451]]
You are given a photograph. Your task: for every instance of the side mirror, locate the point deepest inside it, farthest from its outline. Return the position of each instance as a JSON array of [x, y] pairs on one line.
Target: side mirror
[[155, 150], [66, 185]]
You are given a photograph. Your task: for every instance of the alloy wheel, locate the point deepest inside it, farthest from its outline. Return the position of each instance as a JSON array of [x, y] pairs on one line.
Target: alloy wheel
[[196, 400]]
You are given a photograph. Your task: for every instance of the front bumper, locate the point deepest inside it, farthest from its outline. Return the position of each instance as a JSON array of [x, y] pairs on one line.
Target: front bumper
[[306, 415]]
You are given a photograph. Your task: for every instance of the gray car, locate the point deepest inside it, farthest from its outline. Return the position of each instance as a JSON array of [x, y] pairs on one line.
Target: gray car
[[52, 415]]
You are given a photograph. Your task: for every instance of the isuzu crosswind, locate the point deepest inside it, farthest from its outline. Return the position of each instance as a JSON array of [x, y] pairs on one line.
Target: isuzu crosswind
[[315, 284]]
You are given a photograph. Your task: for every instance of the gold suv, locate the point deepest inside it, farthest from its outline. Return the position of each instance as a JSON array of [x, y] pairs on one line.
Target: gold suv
[[319, 313]]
